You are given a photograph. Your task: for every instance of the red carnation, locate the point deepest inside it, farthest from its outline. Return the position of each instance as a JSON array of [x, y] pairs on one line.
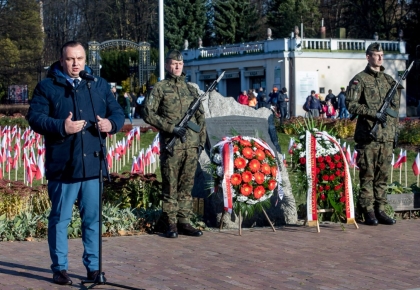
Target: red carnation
[[327, 187], [235, 148], [246, 176], [343, 173], [259, 154], [265, 168], [322, 166], [337, 157], [274, 171], [317, 170], [247, 152], [339, 165], [332, 165], [302, 160], [320, 159], [240, 163], [259, 192], [246, 189], [254, 165], [338, 173], [325, 177], [245, 143], [272, 184], [323, 196], [291, 152], [235, 179], [259, 177], [320, 188], [332, 177], [328, 159], [343, 199]]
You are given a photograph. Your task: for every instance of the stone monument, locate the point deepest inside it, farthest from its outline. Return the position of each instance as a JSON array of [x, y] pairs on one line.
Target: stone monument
[[225, 116]]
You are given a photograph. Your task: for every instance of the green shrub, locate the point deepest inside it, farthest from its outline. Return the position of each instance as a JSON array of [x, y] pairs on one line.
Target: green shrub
[[409, 132]]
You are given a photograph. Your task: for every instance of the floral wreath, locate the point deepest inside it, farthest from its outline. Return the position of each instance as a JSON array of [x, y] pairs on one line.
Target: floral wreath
[[321, 162], [245, 168]]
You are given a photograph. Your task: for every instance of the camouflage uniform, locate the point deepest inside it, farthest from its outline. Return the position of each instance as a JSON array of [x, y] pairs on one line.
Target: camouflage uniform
[[164, 108], [364, 97]]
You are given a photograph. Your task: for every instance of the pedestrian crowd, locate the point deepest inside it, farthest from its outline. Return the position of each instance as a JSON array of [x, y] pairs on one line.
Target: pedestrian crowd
[[331, 107]]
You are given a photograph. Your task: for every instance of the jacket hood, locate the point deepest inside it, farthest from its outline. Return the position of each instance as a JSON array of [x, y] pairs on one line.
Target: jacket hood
[[56, 72]]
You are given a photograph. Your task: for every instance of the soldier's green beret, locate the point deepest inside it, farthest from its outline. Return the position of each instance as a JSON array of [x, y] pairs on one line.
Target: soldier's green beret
[[374, 47], [175, 55]]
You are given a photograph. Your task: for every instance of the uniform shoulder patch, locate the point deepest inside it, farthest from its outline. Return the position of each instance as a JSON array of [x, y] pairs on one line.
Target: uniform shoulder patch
[[355, 82]]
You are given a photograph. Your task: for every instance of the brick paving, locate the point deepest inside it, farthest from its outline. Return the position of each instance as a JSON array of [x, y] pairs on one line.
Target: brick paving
[[293, 257]]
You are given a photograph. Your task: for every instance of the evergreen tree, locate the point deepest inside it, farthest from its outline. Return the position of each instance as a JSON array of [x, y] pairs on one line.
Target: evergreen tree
[[234, 21], [184, 20], [21, 43], [284, 15]]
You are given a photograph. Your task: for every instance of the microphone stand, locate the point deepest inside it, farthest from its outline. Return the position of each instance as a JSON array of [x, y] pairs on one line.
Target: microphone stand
[[100, 278]]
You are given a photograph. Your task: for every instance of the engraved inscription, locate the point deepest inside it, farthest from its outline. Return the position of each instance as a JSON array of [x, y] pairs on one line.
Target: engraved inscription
[[407, 201]]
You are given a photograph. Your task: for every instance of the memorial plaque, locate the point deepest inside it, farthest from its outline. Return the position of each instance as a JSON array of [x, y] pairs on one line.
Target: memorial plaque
[[229, 126], [405, 201]]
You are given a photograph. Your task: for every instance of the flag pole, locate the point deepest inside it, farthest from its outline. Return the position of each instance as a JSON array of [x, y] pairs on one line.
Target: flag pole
[[405, 174]]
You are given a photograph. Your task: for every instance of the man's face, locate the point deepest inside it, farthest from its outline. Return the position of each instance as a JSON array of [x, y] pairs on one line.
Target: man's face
[[174, 67], [73, 60], [375, 59]]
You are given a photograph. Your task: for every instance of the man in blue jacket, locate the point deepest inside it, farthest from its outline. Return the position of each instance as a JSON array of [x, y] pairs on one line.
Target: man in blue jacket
[[64, 109]]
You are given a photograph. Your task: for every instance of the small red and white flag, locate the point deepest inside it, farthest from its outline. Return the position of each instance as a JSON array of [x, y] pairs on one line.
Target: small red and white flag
[[401, 159], [416, 165]]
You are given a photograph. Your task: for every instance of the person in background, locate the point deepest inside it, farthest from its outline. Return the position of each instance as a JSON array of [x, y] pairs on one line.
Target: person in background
[[342, 109], [331, 97], [329, 110], [243, 98], [273, 96], [314, 105], [127, 106], [62, 111], [282, 104], [114, 92], [252, 100], [140, 105], [167, 103], [365, 96], [133, 105]]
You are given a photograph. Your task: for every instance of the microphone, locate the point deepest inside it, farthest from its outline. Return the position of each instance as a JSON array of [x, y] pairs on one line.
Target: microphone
[[84, 75]]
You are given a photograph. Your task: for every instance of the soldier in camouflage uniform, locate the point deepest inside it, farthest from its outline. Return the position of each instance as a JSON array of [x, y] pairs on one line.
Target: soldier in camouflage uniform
[[164, 108], [365, 96]]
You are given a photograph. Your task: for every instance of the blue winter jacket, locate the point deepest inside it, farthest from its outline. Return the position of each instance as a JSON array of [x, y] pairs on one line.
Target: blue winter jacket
[[76, 156]]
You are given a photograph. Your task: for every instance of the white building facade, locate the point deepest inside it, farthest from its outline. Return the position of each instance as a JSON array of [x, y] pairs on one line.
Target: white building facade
[[300, 65]]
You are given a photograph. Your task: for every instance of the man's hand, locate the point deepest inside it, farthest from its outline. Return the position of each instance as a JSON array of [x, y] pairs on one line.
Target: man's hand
[[105, 125], [179, 131], [73, 127], [381, 117]]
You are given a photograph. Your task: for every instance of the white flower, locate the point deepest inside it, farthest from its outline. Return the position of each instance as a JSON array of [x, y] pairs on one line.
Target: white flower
[[251, 201], [301, 136], [299, 146], [219, 171], [241, 198], [302, 154], [315, 130], [217, 158]]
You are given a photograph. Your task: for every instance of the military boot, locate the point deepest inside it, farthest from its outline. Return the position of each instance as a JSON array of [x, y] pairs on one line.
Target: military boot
[[189, 230], [383, 218], [172, 231], [370, 218]]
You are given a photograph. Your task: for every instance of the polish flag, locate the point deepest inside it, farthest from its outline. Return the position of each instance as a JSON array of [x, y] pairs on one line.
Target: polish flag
[[354, 159], [344, 146], [393, 160], [135, 168], [156, 145], [292, 141], [401, 159], [284, 160], [348, 156], [416, 165]]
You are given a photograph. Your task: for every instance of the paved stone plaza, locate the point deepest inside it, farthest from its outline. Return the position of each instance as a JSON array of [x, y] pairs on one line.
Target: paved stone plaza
[[293, 257]]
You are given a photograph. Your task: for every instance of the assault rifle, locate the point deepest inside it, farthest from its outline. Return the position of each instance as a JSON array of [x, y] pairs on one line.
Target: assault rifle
[[389, 99], [185, 121]]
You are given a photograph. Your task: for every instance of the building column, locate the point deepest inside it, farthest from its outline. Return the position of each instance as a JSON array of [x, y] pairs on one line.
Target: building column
[[244, 86], [222, 84], [197, 79]]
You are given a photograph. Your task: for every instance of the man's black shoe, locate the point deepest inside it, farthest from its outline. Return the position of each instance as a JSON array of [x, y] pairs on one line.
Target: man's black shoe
[[62, 278], [189, 230], [172, 231], [383, 218], [91, 275], [370, 219]]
